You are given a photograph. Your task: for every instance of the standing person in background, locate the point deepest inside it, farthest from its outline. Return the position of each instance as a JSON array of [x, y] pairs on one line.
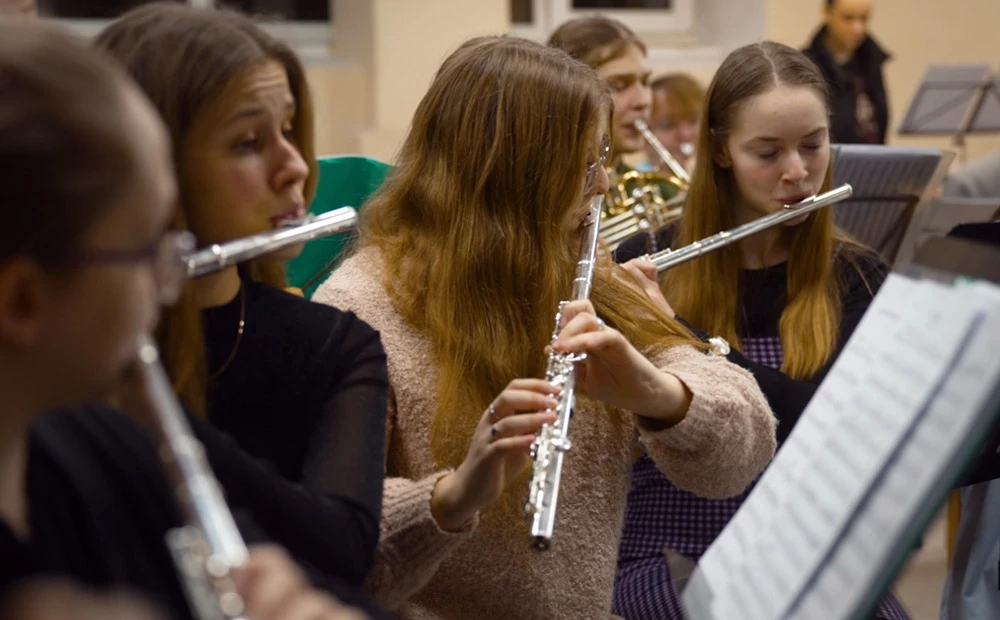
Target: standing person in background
[[851, 61]]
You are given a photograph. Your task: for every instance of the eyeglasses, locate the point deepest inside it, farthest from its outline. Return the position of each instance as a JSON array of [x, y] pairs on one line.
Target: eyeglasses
[[602, 157], [165, 255]]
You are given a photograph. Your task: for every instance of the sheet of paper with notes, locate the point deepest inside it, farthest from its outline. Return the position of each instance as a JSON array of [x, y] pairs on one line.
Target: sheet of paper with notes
[[885, 435]]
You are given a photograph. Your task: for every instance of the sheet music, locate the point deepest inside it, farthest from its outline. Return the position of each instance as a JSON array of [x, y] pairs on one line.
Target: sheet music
[[870, 544], [885, 376]]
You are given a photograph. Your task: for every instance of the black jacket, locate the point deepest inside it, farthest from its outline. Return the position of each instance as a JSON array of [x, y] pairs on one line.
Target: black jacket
[[871, 57]]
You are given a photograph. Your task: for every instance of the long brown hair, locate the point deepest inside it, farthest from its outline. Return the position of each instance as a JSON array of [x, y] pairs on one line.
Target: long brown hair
[[184, 58], [706, 291], [595, 40], [60, 113], [470, 226]]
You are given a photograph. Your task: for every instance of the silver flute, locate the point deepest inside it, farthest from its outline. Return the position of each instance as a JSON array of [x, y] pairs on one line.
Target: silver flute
[[675, 166], [209, 546], [552, 442], [221, 255], [665, 259]]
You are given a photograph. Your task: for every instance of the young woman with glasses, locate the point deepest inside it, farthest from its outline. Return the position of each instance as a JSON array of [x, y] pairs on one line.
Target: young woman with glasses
[[463, 258], [84, 263]]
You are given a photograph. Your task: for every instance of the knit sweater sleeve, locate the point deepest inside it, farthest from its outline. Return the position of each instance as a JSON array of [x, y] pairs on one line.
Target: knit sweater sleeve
[[411, 545], [727, 436]]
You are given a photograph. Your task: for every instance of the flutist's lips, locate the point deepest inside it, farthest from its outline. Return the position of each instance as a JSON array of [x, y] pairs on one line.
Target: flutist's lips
[[790, 200], [295, 213]]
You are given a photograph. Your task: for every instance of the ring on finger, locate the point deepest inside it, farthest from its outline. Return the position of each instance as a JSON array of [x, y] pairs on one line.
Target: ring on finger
[[600, 324], [491, 413], [494, 432]]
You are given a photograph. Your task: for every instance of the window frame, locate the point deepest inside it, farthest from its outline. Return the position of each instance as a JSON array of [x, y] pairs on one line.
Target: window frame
[[680, 18], [311, 40], [548, 14]]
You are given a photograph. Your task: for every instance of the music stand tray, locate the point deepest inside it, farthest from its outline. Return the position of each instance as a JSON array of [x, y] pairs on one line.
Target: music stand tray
[[954, 100]]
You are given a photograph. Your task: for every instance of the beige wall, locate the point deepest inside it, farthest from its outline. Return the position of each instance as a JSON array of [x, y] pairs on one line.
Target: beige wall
[[917, 33], [386, 53], [366, 110]]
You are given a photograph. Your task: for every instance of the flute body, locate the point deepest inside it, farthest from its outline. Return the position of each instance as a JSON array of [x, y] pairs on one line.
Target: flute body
[[665, 259], [221, 255], [552, 442], [209, 546]]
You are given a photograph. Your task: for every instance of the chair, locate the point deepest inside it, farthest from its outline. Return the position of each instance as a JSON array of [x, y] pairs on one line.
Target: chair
[[344, 180], [893, 189]]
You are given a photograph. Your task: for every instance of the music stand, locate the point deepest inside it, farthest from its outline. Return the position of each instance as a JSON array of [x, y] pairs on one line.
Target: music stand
[[893, 189], [837, 512], [954, 100]]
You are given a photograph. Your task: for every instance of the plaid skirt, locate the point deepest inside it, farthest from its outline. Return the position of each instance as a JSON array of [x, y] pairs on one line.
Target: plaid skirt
[[659, 517]]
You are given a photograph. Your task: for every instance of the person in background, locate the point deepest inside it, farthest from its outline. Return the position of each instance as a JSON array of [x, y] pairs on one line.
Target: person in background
[[677, 100], [979, 178], [618, 57], [852, 63]]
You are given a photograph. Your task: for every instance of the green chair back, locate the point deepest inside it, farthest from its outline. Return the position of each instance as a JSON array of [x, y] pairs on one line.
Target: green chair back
[[344, 181]]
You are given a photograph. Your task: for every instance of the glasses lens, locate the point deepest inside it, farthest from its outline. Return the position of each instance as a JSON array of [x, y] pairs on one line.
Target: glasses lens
[[605, 148]]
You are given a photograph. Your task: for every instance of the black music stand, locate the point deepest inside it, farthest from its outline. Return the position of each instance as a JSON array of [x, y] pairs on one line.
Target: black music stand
[[954, 100], [893, 189]]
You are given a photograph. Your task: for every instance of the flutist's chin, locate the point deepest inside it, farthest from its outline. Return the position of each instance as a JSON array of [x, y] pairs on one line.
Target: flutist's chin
[[286, 253], [795, 221]]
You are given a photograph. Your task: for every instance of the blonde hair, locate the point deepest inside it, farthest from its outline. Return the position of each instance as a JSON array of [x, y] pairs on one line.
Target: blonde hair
[[683, 93], [471, 224], [706, 291]]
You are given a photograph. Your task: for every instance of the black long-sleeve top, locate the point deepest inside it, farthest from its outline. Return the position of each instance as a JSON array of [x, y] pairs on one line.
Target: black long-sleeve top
[[99, 508], [763, 298], [305, 391]]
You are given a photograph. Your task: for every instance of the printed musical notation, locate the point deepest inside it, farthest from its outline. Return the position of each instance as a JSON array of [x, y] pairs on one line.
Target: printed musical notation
[[892, 412]]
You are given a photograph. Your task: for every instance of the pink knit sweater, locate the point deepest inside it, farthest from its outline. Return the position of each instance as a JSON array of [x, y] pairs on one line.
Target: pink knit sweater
[[489, 571]]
